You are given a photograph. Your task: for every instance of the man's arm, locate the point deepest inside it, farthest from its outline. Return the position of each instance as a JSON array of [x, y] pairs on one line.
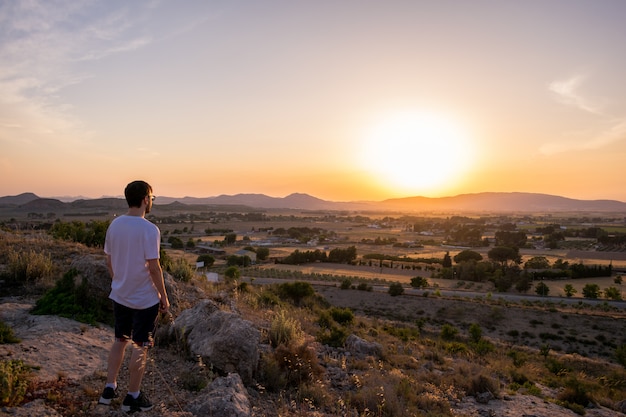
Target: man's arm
[[156, 273], [110, 265]]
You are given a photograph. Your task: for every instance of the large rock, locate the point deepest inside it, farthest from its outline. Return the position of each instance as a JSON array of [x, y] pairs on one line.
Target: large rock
[[98, 279], [225, 397], [223, 339], [362, 348]]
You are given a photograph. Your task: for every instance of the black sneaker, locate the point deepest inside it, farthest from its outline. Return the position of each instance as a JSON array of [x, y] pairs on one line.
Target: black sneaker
[[107, 395], [141, 403]]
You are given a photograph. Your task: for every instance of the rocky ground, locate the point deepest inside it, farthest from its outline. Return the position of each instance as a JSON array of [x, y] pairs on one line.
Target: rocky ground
[[70, 362]]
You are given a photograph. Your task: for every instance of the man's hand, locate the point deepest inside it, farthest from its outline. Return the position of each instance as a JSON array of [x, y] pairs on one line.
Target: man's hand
[[164, 305]]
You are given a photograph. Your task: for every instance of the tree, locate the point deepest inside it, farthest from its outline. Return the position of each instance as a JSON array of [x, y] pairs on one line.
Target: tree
[[569, 290], [537, 262], [232, 274], [542, 289], [560, 264], [511, 238], [612, 293], [230, 238], [504, 254], [523, 284], [395, 289], [262, 254], [176, 242], [447, 261], [208, 260], [467, 256], [419, 282], [591, 291]]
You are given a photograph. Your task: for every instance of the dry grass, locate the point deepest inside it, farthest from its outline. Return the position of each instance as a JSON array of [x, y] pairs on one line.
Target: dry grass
[[419, 374]]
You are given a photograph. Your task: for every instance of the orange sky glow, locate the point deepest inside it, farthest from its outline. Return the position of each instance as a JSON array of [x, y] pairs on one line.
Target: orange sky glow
[[345, 101]]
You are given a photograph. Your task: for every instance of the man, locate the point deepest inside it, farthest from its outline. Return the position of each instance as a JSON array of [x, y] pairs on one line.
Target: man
[[138, 292]]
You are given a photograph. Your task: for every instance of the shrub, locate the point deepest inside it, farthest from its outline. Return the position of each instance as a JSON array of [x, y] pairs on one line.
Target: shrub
[[325, 320], [395, 289], [298, 363], [6, 334], [476, 333], [575, 392], [334, 337], [346, 284], [342, 316], [482, 347], [232, 274], [519, 358], [208, 260], [73, 301], [181, 270], [268, 298], [14, 380], [295, 291], [620, 355], [448, 332]]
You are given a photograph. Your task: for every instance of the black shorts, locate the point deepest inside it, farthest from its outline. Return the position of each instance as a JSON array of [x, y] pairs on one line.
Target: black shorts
[[135, 325]]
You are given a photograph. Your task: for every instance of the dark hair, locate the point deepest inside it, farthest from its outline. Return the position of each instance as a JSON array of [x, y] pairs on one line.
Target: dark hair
[[136, 191]]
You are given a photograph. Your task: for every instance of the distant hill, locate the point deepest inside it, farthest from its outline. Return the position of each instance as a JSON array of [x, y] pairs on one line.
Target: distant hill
[[503, 202], [480, 202], [18, 200]]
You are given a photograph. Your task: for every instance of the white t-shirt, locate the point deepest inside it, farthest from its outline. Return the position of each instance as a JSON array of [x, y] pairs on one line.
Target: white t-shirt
[[131, 241]]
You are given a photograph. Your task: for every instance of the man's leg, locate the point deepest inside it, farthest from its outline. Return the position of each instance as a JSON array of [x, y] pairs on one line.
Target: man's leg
[[116, 356], [137, 367]]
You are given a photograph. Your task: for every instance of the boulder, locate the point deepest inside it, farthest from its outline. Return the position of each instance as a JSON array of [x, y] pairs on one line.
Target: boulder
[[362, 348], [225, 397], [98, 279], [223, 339]]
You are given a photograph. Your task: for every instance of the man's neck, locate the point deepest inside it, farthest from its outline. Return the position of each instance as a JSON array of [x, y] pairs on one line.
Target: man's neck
[[136, 211]]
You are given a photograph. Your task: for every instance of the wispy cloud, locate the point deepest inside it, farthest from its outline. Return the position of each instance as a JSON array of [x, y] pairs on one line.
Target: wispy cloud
[[567, 92], [616, 132], [40, 42]]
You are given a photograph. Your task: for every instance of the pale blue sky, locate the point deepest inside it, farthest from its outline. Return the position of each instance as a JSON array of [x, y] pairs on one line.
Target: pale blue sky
[[221, 97]]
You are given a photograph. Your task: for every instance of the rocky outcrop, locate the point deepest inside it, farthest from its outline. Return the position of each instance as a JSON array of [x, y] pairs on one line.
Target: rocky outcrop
[[225, 397], [222, 339], [98, 279], [361, 348]]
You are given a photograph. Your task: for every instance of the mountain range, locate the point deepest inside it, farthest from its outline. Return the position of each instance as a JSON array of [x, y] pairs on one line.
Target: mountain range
[[480, 202]]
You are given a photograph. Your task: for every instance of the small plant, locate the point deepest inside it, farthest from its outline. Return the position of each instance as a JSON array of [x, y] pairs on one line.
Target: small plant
[[14, 380], [298, 363], [181, 270], [483, 346], [342, 316], [395, 289], [27, 267], [519, 358], [448, 332], [476, 333], [284, 330], [232, 274], [620, 355], [7, 335], [575, 392], [334, 337]]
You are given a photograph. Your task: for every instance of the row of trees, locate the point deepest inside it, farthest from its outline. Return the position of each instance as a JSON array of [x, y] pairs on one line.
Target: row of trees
[[337, 255]]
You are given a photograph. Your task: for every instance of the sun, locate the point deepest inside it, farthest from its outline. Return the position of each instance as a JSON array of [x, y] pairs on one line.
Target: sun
[[416, 151]]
